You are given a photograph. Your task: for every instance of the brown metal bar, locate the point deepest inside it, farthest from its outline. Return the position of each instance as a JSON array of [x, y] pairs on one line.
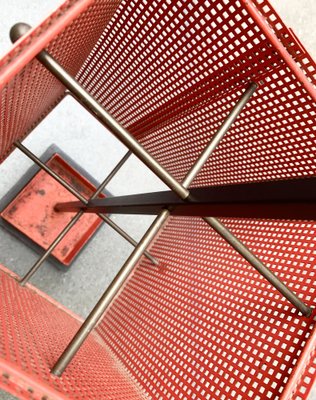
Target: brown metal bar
[[284, 199]]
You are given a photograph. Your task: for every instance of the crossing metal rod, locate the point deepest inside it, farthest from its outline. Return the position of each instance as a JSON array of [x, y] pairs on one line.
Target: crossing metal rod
[[108, 295], [128, 267], [50, 172], [71, 223], [50, 249], [258, 265], [224, 232], [223, 129], [79, 196]]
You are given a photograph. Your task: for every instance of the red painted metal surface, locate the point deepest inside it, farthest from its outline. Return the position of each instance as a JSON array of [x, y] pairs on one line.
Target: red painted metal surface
[[27, 89], [206, 316], [204, 324], [32, 211], [32, 341]]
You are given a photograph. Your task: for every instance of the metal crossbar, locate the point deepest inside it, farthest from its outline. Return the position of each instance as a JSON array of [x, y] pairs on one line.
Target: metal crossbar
[[284, 199], [180, 189], [76, 218]]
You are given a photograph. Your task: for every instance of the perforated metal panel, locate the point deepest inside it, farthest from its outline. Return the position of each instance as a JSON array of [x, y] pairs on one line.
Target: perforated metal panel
[[33, 332], [303, 377], [206, 325], [203, 324], [69, 34], [171, 71]]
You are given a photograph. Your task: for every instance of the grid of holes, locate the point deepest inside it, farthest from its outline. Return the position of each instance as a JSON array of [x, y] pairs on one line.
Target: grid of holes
[[171, 72], [34, 332], [204, 324], [152, 52], [295, 48], [307, 383], [307, 378], [27, 99]]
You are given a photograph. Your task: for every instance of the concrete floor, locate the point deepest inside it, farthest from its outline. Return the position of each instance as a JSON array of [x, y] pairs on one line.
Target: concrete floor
[[79, 289]]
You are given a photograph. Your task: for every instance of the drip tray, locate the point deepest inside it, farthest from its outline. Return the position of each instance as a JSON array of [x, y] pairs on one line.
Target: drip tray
[[28, 210]]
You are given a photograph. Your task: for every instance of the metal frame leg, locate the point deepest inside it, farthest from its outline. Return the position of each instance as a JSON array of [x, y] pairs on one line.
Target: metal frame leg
[[72, 190], [108, 295]]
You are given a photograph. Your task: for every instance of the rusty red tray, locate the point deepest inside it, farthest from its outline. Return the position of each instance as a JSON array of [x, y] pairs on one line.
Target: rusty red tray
[[32, 216]]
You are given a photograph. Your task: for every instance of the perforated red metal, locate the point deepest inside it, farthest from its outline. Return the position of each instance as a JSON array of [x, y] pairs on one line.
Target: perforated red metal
[[204, 324], [28, 92], [170, 72], [303, 376], [33, 332]]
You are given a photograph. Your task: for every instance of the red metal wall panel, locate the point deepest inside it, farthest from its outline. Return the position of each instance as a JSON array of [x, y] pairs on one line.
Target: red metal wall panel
[[28, 92], [203, 324], [33, 332]]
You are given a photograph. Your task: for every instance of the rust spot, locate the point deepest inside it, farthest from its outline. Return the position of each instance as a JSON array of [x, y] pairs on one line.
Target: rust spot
[[64, 250], [12, 210], [41, 229]]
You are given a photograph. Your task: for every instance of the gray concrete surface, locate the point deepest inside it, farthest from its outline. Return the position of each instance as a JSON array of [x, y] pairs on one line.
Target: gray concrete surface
[[97, 151]]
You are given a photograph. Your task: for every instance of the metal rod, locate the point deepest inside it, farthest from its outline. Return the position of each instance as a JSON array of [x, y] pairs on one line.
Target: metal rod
[[283, 199], [85, 98], [50, 249], [111, 175], [108, 295], [258, 265], [230, 238], [77, 194], [116, 285], [228, 122], [52, 173]]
